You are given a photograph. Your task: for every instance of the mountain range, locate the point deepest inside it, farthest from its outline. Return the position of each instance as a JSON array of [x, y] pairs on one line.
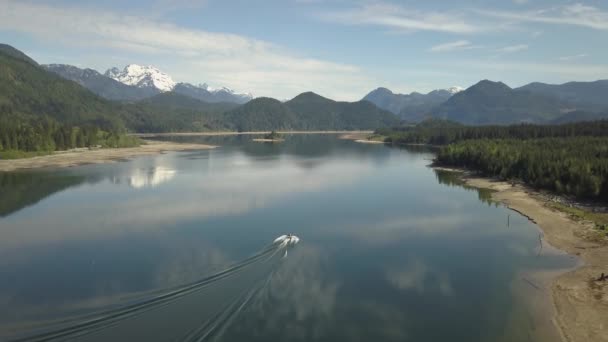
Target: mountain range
[[55, 94], [135, 82], [411, 107], [489, 102], [143, 99]]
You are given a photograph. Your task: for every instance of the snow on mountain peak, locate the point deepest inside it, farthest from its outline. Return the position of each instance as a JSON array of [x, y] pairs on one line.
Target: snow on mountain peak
[[214, 90], [142, 77], [455, 89]]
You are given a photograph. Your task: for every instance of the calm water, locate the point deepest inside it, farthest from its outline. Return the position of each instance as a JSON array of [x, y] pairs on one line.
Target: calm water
[[390, 250]]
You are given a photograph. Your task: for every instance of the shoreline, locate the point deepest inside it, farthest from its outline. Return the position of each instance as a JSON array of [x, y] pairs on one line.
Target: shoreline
[[97, 156], [579, 302], [194, 134]]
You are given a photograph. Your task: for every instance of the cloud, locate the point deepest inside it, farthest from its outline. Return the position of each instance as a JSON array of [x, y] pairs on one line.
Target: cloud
[[220, 58], [457, 45], [513, 48], [573, 57], [576, 14], [399, 18]]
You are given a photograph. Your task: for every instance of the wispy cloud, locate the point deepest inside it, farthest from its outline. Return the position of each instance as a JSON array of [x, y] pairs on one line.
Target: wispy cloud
[[195, 55], [457, 45], [400, 18], [573, 57], [513, 48], [576, 14]]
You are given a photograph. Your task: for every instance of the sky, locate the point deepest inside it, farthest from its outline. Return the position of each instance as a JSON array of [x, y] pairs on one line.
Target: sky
[[337, 48]]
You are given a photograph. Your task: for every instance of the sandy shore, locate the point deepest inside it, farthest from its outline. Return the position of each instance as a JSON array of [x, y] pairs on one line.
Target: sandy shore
[[580, 302], [106, 155], [190, 134], [268, 140]]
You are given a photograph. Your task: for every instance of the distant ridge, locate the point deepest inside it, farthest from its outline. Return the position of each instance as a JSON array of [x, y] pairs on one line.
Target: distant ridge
[[411, 107]]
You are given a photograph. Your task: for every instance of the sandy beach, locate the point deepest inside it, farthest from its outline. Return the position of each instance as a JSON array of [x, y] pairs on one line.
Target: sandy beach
[[105, 155], [580, 302]]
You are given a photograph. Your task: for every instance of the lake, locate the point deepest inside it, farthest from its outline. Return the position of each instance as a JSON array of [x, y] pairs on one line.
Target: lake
[[390, 250]]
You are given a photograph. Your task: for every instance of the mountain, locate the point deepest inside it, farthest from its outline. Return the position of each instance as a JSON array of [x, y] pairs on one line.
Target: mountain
[[172, 112], [142, 77], [8, 50], [318, 112], [410, 107], [155, 81], [28, 92], [582, 95], [580, 115], [308, 111], [490, 102], [208, 94], [262, 113], [100, 84]]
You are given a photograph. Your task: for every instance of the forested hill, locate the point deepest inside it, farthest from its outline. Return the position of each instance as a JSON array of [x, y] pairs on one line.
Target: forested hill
[[308, 111], [172, 112], [28, 91], [490, 102]]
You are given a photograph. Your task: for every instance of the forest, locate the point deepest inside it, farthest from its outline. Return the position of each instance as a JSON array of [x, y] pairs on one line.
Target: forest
[[442, 132], [21, 137], [569, 159]]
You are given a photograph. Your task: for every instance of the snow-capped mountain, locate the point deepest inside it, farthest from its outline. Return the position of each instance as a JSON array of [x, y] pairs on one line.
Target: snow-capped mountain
[[455, 89], [150, 77], [213, 90], [142, 77]]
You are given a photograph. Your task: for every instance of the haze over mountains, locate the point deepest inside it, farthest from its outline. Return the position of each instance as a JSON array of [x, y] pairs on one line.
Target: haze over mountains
[[144, 99], [410, 107]]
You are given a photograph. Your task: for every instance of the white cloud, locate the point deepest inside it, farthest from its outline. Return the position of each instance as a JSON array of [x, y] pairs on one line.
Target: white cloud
[[513, 48], [520, 2], [399, 18], [576, 14], [573, 57], [457, 45], [196, 56]]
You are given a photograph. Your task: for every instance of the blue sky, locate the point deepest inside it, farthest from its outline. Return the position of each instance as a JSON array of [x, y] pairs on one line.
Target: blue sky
[[339, 49]]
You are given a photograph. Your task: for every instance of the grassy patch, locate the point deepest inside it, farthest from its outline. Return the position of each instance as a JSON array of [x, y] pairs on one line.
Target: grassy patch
[[14, 154], [599, 219]]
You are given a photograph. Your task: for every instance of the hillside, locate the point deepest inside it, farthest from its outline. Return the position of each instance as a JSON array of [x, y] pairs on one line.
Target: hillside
[[12, 52], [490, 102], [262, 113], [29, 91], [317, 112], [581, 95], [101, 84], [171, 112]]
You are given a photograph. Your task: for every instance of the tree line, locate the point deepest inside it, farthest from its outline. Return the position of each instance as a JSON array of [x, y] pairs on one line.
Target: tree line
[[442, 132], [47, 135], [569, 159], [576, 166]]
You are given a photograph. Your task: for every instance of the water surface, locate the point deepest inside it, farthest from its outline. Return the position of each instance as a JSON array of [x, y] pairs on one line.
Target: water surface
[[390, 250]]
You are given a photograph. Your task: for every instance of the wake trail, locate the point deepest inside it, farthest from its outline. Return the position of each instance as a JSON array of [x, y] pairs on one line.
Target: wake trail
[[246, 272]]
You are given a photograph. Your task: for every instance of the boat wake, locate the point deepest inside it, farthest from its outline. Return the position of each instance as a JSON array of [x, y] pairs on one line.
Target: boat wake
[[198, 311]]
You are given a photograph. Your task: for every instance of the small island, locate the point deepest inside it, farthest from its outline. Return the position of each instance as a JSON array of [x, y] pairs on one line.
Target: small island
[[271, 137]]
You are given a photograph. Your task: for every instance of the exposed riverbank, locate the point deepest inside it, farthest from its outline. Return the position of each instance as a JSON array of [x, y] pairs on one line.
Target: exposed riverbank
[[96, 156], [580, 301]]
